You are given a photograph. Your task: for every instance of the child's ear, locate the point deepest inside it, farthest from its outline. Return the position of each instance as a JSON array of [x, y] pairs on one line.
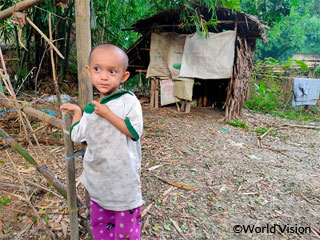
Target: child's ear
[[87, 70], [125, 77]]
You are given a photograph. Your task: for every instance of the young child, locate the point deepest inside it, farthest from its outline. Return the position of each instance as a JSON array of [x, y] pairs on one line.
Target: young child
[[111, 127]]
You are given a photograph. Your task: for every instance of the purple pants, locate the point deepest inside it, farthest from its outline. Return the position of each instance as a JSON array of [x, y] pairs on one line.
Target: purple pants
[[114, 225]]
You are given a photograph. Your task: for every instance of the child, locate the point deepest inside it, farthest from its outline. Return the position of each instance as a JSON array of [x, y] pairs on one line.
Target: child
[[111, 127]]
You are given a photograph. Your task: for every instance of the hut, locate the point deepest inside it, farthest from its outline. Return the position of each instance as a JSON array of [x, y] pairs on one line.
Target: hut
[[232, 91], [312, 60]]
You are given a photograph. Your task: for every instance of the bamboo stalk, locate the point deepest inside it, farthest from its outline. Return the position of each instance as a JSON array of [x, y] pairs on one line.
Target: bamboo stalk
[[56, 86], [24, 121], [12, 174], [43, 169], [10, 186], [45, 37], [18, 8], [71, 182], [36, 114]]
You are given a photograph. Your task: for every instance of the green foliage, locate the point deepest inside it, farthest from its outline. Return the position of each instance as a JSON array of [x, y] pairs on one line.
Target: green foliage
[[267, 97], [238, 123], [264, 99], [4, 200], [261, 130], [270, 11], [295, 33]]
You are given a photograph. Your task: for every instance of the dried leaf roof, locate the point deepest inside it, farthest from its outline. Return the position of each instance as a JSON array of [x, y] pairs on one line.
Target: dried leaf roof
[[248, 25]]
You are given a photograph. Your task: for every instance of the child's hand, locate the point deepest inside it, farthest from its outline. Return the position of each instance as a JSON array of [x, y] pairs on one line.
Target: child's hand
[[101, 109], [70, 107]]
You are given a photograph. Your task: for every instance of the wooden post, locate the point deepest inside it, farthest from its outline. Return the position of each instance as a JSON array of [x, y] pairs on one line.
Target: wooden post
[[156, 94], [83, 40], [188, 106], [83, 37], [71, 178], [152, 92]]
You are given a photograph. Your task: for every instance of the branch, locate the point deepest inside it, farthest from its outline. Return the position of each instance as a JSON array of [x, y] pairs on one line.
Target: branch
[[24, 5]]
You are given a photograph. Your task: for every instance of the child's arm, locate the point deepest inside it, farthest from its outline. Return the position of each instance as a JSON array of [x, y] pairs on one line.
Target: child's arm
[[76, 110], [103, 111]]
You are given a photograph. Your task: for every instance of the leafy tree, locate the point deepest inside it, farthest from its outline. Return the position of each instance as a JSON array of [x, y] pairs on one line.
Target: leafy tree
[[296, 33]]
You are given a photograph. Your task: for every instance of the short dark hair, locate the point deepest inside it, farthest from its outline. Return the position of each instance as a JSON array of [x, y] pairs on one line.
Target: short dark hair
[[110, 46]]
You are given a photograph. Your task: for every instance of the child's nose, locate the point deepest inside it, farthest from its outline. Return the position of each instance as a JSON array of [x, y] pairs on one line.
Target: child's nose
[[104, 75]]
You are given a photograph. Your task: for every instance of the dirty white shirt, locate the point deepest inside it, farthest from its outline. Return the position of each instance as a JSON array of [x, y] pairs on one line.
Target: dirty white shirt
[[112, 161]]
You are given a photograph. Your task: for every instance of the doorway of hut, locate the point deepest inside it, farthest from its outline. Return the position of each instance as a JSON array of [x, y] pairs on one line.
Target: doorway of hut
[[210, 93]]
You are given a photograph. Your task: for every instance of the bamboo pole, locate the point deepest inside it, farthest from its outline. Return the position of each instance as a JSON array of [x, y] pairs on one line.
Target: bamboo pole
[[36, 114], [45, 37], [56, 85], [43, 169], [10, 186], [24, 5], [83, 40], [71, 178]]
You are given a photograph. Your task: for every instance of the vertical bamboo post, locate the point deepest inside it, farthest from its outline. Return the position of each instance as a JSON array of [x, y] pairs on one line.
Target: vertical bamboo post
[[71, 178], [156, 94], [152, 92], [55, 81], [83, 40]]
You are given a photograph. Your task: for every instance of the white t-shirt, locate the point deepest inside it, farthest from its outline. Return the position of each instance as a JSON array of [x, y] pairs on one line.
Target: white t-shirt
[[112, 161]]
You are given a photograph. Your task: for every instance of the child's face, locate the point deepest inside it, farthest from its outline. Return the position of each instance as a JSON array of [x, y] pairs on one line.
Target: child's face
[[106, 70]]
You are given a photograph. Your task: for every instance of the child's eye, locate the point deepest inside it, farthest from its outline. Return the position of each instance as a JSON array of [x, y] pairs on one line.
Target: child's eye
[[112, 71], [97, 69]]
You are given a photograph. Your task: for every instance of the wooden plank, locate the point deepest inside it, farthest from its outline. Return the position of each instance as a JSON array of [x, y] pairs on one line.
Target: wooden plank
[[24, 5], [83, 40]]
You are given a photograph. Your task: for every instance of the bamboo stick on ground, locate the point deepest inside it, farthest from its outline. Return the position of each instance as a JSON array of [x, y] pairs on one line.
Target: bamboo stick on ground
[[37, 114], [27, 197], [10, 186], [43, 169], [9, 172], [71, 187]]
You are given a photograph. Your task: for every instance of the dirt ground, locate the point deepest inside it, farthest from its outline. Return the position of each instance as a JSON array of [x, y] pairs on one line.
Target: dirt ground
[[202, 179]]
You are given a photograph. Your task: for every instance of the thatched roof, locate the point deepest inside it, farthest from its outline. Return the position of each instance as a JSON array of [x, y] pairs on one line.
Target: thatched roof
[[248, 27]]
